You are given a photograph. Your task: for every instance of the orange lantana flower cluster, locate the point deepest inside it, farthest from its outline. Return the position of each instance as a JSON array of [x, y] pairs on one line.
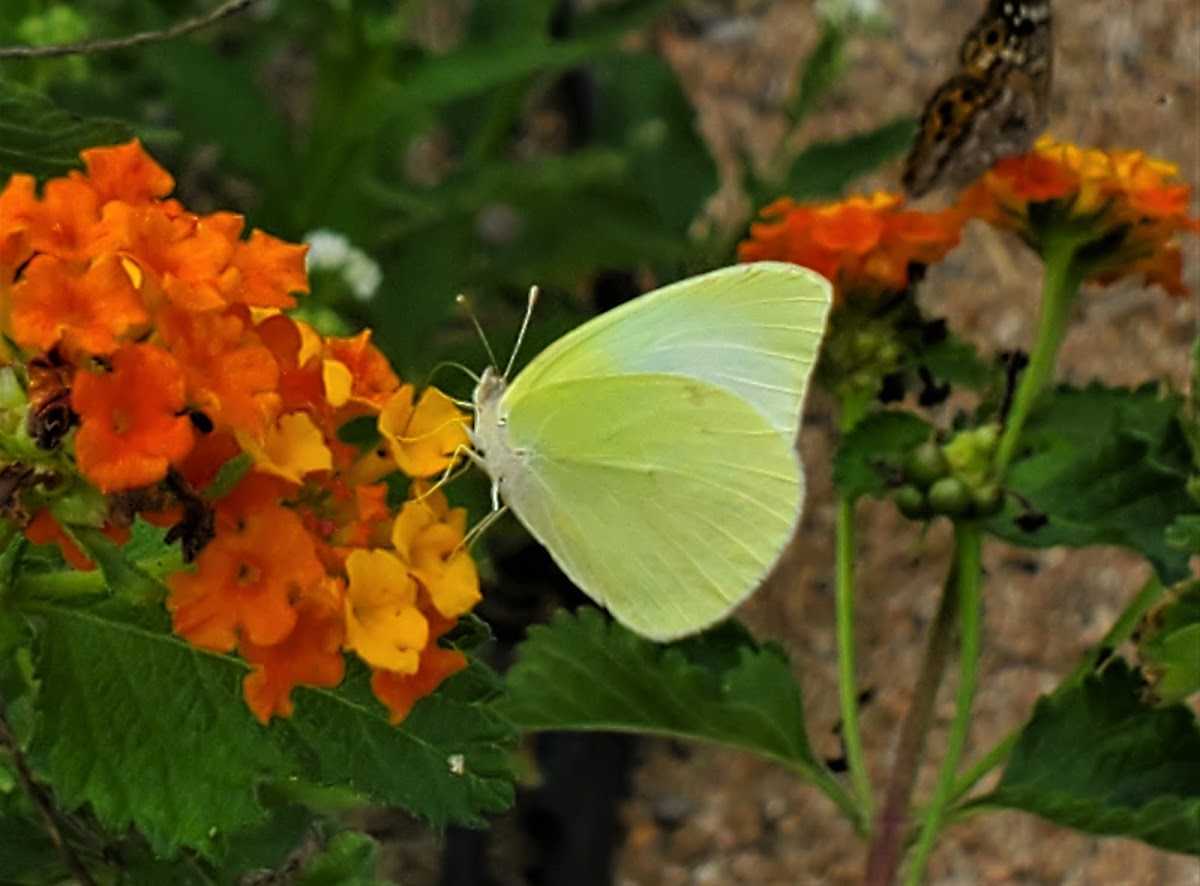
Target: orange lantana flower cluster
[[863, 245], [148, 370], [1122, 210]]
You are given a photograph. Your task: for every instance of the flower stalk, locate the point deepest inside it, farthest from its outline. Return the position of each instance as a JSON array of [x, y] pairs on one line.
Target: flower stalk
[[887, 844], [968, 570], [847, 683], [1063, 277]]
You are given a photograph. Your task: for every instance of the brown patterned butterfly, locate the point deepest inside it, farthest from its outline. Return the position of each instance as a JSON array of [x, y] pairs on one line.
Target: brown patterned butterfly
[[994, 106]]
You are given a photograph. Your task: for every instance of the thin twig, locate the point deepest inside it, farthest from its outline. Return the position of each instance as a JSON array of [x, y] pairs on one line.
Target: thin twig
[[40, 803], [109, 44]]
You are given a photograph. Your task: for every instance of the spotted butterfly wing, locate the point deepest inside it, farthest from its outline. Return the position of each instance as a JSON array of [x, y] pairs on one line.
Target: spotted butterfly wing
[[994, 106]]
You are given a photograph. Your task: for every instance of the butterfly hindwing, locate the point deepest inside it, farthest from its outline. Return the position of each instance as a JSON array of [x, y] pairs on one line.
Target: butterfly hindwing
[[664, 498]]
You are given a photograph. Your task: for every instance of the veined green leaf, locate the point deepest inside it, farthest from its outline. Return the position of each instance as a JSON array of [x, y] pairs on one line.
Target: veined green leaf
[[38, 138], [1097, 759], [582, 673]]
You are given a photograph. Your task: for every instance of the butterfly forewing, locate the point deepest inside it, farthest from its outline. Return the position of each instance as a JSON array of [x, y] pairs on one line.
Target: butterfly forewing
[[752, 329]]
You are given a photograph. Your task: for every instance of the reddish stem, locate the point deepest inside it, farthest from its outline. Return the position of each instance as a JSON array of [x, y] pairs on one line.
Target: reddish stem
[[887, 844]]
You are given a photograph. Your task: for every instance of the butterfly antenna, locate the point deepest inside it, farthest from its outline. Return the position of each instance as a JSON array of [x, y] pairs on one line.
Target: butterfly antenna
[[532, 300], [466, 306]]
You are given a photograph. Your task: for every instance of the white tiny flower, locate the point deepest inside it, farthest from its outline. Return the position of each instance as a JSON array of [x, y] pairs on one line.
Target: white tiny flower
[[363, 274], [850, 12], [331, 251], [326, 248]]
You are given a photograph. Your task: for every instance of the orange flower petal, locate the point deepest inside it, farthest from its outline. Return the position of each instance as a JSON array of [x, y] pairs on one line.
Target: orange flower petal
[[132, 426], [18, 206], [309, 656], [1121, 199], [401, 691], [247, 582], [862, 244], [230, 375], [271, 270], [126, 172], [87, 310], [43, 529]]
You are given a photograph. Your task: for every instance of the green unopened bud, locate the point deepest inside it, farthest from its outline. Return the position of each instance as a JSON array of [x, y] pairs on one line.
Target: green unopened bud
[[970, 452], [987, 499], [912, 502], [950, 496], [925, 464]]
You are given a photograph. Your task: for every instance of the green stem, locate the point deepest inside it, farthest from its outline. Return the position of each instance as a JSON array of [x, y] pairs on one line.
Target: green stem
[[847, 684], [968, 570], [1115, 636], [1062, 280], [41, 800], [837, 794], [66, 583], [8, 534], [888, 835]]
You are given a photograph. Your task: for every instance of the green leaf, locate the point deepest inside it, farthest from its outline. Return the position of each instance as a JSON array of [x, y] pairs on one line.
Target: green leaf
[[132, 719], [422, 274], [1169, 645], [25, 849], [643, 113], [825, 169], [12, 545], [822, 69], [38, 138], [140, 864], [497, 21], [228, 476], [1094, 758], [873, 451], [955, 361], [479, 68], [216, 97], [349, 859], [147, 729], [1106, 466], [1184, 533], [267, 844], [583, 673], [447, 762], [123, 575]]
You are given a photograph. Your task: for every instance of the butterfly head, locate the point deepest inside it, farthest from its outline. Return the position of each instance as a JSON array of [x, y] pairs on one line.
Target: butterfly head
[[490, 387]]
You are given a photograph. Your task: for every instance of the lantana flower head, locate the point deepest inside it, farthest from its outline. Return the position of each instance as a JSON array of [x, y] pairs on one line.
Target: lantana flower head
[[865, 246], [1120, 210], [156, 376]]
